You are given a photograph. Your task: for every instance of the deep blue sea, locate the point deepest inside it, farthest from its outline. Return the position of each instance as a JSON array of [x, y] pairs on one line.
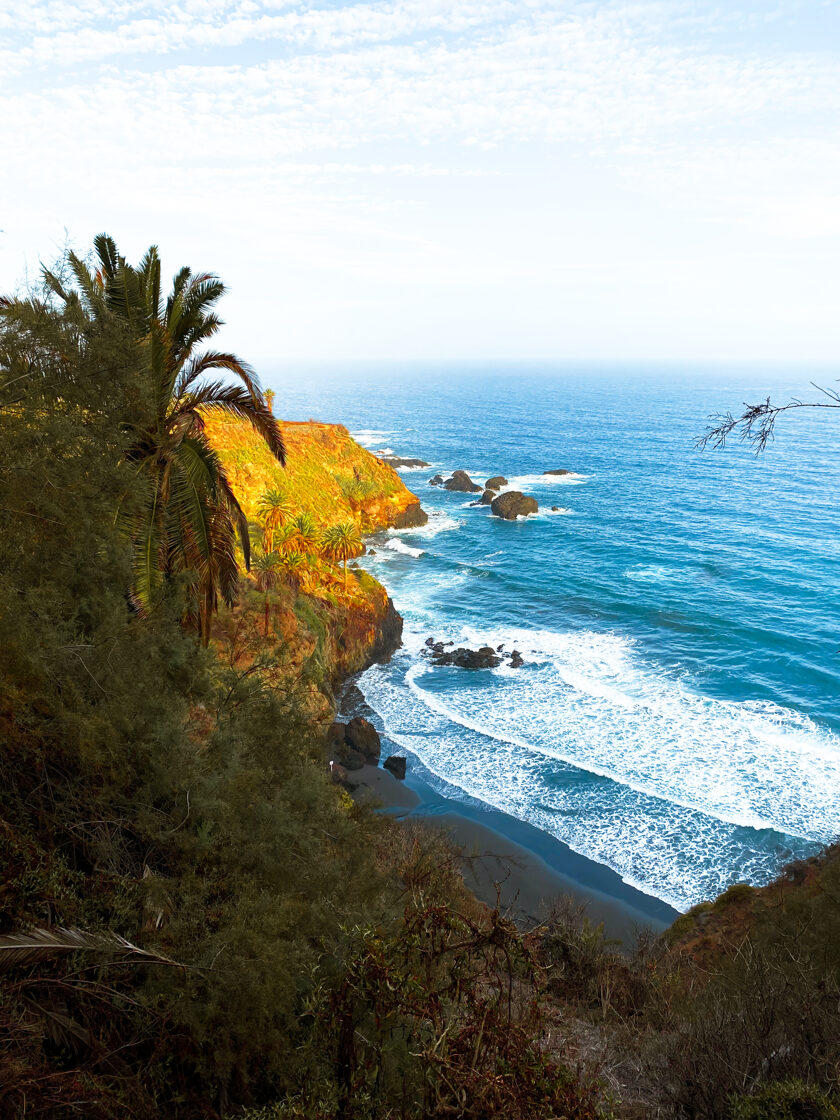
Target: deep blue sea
[[678, 715]]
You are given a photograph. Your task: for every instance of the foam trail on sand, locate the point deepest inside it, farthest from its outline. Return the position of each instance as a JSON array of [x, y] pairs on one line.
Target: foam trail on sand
[[618, 758]]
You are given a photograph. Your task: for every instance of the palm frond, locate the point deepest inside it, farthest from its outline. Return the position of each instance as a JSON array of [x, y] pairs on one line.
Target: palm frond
[[240, 402], [32, 946]]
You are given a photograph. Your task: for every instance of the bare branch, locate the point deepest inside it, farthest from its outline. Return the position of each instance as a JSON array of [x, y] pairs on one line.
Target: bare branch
[[756, 424]]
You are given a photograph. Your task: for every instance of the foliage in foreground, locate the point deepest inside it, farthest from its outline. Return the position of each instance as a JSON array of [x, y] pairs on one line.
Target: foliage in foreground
[[158, 798]]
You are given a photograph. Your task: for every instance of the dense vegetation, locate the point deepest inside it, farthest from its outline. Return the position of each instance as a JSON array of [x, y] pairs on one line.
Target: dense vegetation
[[156, 791], [195, 921]]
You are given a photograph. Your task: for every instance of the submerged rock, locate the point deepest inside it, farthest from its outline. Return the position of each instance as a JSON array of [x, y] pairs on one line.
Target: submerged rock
[[461, 482], [513, 504], [558, 472], [364, 737], [396, 763], [496, 482]]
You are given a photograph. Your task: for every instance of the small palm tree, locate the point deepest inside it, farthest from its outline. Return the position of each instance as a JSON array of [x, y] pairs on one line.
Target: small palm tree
[[341, 542], [265, 567], [294, 565], [274, 512], [305, 533]]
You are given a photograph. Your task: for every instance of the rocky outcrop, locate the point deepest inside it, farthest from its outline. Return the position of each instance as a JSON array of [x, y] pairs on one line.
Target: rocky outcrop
[[398, 461], [436, 480], [462, 483], [363, 737], [350, 746], [388, 638], [396, 764], [484, 658], [516, 659], [412, 517], [496, 482], [486, 498], [513, 504], [558, 472]]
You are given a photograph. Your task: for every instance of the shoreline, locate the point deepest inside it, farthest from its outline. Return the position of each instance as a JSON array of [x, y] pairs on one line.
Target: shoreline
[[529, 867]]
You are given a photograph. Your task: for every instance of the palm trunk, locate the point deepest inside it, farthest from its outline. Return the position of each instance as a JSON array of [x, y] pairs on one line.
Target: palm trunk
[[266, 614]]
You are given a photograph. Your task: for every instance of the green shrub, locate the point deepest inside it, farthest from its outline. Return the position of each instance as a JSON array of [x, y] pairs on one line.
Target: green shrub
[[785, 1100]]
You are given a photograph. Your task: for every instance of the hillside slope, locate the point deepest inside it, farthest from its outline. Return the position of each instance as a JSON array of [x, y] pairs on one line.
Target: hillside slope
[[327, 474]]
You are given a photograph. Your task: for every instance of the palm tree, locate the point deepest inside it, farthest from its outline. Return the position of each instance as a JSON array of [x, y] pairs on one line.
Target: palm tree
[[305, 533], [294, 565], [341, 542], [265, 567], [191, 518], [274, 512]]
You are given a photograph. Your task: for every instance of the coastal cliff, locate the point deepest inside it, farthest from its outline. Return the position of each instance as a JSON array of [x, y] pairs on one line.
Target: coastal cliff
[[318, 627]]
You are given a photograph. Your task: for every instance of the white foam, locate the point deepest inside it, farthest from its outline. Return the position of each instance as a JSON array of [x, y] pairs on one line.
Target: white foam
[[520, 481], [397, 545], [660, 573], [685, 774], [439, 522], [368, 436], [384, 451]]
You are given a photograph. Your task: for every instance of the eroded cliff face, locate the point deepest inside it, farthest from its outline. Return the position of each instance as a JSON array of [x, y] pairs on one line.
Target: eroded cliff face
[[313, 628]]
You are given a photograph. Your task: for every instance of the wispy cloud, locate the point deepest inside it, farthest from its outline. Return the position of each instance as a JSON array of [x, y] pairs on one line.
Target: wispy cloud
[[353, 116]]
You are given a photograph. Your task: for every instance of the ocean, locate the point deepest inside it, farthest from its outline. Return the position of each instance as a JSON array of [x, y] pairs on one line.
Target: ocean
[[677, 717]]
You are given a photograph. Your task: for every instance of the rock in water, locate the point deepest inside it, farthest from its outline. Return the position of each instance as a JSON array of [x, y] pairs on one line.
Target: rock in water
[[557, 472], [436, 480], [411, 517], [487, 497], [484, 658], [364, 737], [398, 461], [516, 659], [513, 504], [461, 482], [496, 482], [396, 764]]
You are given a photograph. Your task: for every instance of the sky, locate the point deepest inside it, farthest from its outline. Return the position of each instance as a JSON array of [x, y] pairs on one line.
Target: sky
[[444, 179]]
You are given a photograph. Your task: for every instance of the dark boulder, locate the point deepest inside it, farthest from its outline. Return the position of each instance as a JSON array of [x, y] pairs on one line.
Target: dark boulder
[[516, 659], [364, 737], [496, 482], [338, 773], [484, 658], [398, 461], [486, 498], [462, 483], [513, 504], [371, 552], [560, 472], [436, 480], [353, 760], [396, 764], [335, 736], [411, 517]]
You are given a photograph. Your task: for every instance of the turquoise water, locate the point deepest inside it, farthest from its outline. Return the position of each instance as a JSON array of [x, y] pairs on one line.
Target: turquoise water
[[678, 715]]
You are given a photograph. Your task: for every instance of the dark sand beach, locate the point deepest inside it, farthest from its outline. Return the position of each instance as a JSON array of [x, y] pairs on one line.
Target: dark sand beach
[[528, 867]]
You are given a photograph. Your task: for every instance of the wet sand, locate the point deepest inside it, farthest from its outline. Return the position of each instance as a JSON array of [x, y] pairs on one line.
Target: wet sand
[[529, 868]]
